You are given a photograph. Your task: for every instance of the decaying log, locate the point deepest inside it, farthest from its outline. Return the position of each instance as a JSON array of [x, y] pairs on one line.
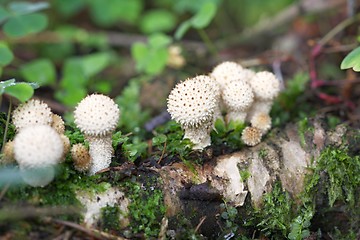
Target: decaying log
[[285, 155]]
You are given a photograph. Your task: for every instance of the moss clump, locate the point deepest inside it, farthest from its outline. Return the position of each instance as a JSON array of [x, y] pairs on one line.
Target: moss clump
[[110, 218], [146, 207]]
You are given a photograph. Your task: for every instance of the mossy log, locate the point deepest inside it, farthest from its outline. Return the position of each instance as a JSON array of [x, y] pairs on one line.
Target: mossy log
[[241, 179]]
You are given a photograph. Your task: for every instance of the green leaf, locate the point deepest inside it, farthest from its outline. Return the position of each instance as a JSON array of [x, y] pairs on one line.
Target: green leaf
[[21, 91], [352, 60], [94, 63], [114, 11], [3, 14], [159, 20], [41, 71], [6, 55], [71, 96], [69, 7], [204, 16], [19, 26], [5, 84], [159, 41], [182, 29], [19, 8]]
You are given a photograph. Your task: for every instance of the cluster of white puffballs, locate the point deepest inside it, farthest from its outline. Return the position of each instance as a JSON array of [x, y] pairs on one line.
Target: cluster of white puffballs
[[242, 94], [39, 144]]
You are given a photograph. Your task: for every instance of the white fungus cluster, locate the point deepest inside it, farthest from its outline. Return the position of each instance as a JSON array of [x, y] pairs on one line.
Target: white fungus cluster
[[39, 143], [193, 103], [97, 116], [247, 97]]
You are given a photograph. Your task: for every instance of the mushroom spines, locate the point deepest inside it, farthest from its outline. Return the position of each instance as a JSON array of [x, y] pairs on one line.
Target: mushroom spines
[[237, 95], [97, 115], [265, 85], [226, 72], [193, 101], [30, 113], [38, 146]]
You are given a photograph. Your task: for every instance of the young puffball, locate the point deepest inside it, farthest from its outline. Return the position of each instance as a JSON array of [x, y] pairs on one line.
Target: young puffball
[[192, 104], [31, 113], [266, 88], [97, 116], [37, 150], [81, 157], [251, 136]]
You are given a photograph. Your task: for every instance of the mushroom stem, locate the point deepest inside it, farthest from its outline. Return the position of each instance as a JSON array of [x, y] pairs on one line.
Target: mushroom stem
[[199, 136], [101, 151]]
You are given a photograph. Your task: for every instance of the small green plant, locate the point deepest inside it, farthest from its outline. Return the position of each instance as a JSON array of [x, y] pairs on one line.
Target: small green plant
[[352, 60], [110, 218], [227, 135], [229, 214]]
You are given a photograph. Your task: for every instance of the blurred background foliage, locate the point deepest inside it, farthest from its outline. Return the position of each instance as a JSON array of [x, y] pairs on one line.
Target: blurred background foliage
[[72, 48]]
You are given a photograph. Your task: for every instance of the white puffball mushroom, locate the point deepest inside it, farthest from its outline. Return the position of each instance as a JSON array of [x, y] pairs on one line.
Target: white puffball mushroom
[[237, 98], [37, 150], [251, 136], [81, 157], [30, 113], [261, 121], [226, 72], [58, 123], [97, 116], [192, 104], [266, 88]]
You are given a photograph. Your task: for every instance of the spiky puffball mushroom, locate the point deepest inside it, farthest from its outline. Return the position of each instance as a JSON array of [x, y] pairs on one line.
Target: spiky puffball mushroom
[[266, 88], [37, 150], [261, 121], [226, 72], [251, 136], [30, 113], [58, 123], [81, 157], [237, 98], [97, 116], [8, 153], [192, 104]]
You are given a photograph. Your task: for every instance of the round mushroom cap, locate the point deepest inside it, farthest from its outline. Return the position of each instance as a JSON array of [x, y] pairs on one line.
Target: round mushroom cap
[[265, 85], [30, 113], [38, 177], [37, 147], [261, 121], [251, 136], [97, 115], [193, 101], [226, 72], [80, 155], [237, 96]]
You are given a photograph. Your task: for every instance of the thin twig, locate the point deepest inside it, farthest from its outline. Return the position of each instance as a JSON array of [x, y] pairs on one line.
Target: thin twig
[[162, 154], [89, 231], [200, 223], [6, 126]]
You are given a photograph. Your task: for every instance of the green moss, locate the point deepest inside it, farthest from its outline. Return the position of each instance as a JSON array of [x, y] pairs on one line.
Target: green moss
[[146, 207], [110, 218], [245, 174], [169, 138], [303, 128], [276, 213], [262, 153]]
